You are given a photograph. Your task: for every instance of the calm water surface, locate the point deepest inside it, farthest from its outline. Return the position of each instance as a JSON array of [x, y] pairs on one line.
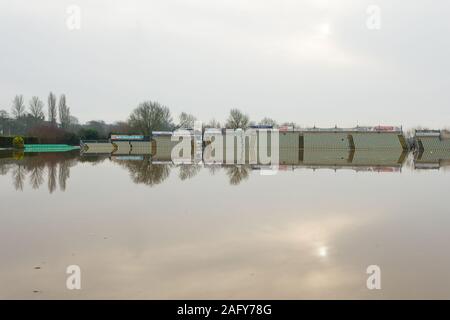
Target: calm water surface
[[143, 231]]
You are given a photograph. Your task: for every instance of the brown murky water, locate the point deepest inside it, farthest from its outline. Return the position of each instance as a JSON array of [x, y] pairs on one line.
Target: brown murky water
[[154, 231]]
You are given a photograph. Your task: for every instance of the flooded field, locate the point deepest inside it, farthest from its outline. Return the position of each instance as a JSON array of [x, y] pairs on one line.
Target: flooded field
[[143, 230]]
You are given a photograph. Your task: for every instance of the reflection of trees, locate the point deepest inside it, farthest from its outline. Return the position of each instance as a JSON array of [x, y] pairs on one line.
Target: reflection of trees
[[64, 174], [237, 173], [93, 159], [188, 171], [59, 171], [57, 166], [36, 167], [19, 175], [145, 172], [214, 168], [4, 168], [51, 180], [37, 177]]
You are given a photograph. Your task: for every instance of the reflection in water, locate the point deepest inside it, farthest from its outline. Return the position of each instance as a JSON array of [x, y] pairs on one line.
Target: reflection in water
[[19, 176], [55, 167], [93, 159], [35, 166], [213, 168], [304, 234], [51, 168], [4, 168], [432, 159], [37, 177], [145, 172], [237, 173], [188, 171]]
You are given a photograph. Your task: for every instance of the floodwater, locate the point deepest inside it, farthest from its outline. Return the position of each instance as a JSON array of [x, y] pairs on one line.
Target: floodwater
[[140, 230]]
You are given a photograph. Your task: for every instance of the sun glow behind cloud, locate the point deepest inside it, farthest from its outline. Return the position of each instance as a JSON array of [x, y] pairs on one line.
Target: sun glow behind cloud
[[200, 55]]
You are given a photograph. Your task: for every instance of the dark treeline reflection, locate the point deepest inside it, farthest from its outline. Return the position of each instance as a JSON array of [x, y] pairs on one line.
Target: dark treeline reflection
[[145, 172], [188, 171], [53, 169], [237, 173], [151, 174]]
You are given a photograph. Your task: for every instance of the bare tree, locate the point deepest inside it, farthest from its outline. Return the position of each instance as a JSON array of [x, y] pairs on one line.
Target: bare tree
[[51, 108], [268, 122], [74, 120], [150, 116], [36, 108], [213, 123], [3, 115], [64, 112], [18, 108], [237, 120], [187, 121]]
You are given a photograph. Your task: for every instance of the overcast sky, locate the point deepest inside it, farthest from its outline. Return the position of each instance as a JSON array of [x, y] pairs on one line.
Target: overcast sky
[[314, 62]]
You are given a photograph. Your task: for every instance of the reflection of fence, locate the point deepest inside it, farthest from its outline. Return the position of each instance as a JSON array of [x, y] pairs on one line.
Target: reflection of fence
[[432, 159], [432, 149], [432, 142]]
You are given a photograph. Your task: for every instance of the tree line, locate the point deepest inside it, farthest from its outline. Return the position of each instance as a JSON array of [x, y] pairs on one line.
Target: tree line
[[36, 110], [58, 125], [24, 117], [54, 123], [152, 116]]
